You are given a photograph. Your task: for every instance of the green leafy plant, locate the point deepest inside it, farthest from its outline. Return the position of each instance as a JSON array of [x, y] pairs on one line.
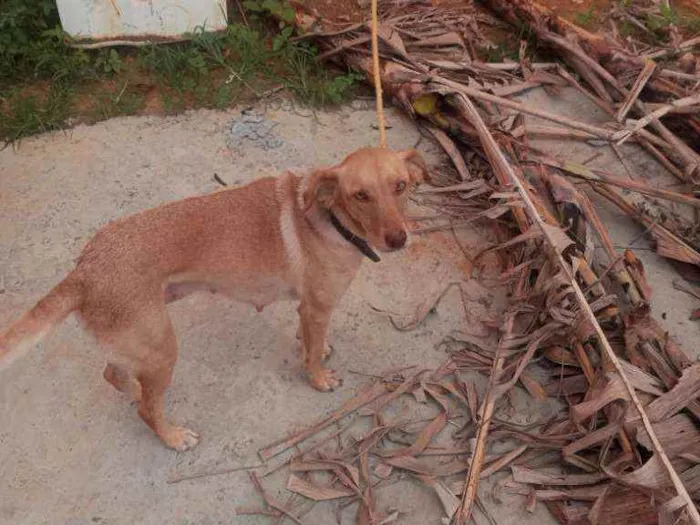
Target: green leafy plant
[[108, 61], [30, 114], [45, 83], [311, 82], [281, 11], [277, 8]]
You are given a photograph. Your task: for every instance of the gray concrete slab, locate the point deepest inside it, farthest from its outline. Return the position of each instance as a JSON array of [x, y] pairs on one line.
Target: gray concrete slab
[[72, 450]]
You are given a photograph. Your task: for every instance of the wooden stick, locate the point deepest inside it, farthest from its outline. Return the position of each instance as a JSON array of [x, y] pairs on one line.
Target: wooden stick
[[663, 160], [690, 158], [666, 239], [177, 478], [584, 172], [639, 84], [451, 149], [599, 132], [492, 147], [461, 517], [654, 116], [602, 104], [688, 44]]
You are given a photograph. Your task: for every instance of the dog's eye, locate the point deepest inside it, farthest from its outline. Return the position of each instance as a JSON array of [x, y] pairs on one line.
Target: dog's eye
[[361, 196], [400, 186]]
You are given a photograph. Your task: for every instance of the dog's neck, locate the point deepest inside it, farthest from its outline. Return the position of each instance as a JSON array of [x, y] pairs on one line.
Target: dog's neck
[[359, 242]]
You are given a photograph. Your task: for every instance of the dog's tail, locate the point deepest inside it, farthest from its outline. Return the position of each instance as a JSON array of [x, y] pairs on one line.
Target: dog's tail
[[33, 326]]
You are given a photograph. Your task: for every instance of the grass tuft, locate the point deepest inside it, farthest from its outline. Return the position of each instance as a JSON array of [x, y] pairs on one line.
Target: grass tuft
[[45, 84]]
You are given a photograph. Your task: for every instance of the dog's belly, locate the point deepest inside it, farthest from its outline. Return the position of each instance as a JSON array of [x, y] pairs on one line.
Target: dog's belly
[[259, 292]]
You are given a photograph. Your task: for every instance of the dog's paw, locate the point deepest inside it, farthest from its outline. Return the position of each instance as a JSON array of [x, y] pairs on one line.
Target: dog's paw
[[181, 438], [325, 380]]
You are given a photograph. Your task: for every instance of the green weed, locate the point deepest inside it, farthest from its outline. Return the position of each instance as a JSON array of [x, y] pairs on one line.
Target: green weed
[[209, 70], [26, 115], [311, 82]]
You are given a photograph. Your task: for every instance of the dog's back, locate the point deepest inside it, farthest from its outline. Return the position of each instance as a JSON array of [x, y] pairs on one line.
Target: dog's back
[[232, 233]]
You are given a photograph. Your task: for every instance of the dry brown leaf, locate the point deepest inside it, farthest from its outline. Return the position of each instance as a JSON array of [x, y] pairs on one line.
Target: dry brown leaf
[[422, 442], [531, 502], [560, 240], [534, 477], [445, 39], [568, 386], [315, 492], [392, 517], [422, 311], [596, 509], [449, 501], [636, 270], [328, 464], [430, 468], [383, 471], [651, 475], [580, 494], [641, 380], [561, 356], [613, 390], [533, 386], [453, 152], [595, 437], [392, 37], [686, 391], [678, 435], [503, 461], [691, 480]]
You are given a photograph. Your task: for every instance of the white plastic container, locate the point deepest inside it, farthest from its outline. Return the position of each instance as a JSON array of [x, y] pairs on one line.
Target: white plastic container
[[97, 23]]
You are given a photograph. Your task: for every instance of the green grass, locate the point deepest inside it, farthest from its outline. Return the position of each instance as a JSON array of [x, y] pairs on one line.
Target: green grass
[[29, 113], [44, 83], [658, 23]]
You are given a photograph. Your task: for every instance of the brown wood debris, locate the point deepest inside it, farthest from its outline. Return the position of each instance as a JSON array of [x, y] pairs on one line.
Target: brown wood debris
[[578, 326]]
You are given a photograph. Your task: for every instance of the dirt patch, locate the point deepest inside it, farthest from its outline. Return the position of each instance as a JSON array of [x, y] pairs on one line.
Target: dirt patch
[[570, 10], [340, 12]]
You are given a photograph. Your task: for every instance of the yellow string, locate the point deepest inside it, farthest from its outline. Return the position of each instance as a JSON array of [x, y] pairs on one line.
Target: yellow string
[[376, 73]]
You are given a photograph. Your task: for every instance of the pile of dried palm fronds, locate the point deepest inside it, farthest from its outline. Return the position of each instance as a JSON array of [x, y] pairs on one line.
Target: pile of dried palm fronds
[[629, 448]]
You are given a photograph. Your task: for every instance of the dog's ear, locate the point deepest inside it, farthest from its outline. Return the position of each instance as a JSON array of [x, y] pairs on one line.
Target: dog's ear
[[417, 168], [322, 188]]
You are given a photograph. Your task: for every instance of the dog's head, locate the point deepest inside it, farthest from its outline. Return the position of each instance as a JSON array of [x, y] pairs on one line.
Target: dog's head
[[368, 192]]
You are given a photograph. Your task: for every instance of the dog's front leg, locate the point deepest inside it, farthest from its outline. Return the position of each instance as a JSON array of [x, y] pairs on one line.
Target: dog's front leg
[[314, 317]]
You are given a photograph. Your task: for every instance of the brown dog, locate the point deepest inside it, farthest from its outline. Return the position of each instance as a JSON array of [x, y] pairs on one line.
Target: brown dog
[[288, 237]]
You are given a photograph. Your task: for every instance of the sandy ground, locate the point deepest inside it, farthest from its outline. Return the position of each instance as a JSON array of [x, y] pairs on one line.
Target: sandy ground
[[73, 450]]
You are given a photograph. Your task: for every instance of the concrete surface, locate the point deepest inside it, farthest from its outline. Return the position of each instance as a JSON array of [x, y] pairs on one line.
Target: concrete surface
[[73, 450]]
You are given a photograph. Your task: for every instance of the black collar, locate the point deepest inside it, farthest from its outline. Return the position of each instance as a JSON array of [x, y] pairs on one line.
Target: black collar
[[359, 242]]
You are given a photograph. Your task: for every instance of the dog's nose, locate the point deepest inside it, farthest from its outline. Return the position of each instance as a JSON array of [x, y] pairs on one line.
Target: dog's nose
[[396, 239]]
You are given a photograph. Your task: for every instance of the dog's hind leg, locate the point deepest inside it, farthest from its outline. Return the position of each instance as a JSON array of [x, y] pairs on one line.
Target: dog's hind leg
[[154, 372], [142, 363], [123, 380]]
